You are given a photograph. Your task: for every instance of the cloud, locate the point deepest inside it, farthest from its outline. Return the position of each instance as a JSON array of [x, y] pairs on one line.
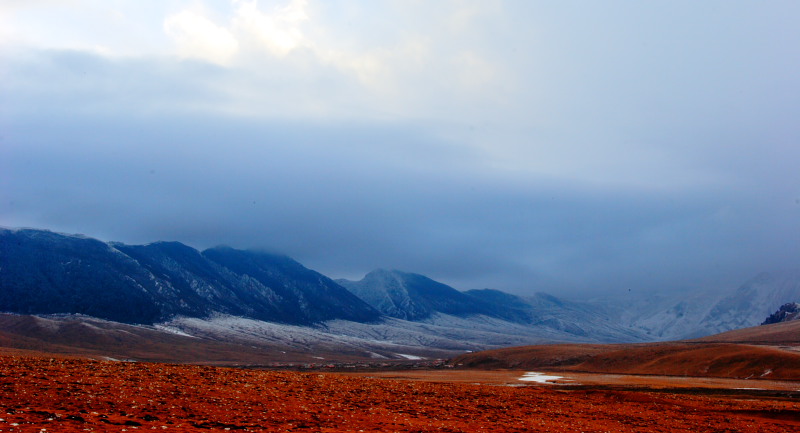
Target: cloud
[[523, 146], [198, 37], [279, 31], [406, 72], [329, 197]]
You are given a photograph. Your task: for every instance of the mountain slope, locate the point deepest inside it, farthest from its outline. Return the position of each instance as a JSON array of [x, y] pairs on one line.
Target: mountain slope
[[410, 296], [202, 292], [686, 315], [786, 313], [760, 352], [415, 297], [578, 319], [783, 333], [45, 273], [299, 295], [506, 306], [751, 302]]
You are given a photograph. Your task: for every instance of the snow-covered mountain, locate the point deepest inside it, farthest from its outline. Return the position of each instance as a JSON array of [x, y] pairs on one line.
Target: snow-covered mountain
[[410, 296], [582, 320], [415, 297], [706, 312], [753, 301], [42, 272], [257, 299]]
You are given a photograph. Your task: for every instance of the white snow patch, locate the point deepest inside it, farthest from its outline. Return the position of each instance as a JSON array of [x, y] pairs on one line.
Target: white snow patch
[[411, 357], [108, 358], [390, 336], [533, 376], [172, 330]]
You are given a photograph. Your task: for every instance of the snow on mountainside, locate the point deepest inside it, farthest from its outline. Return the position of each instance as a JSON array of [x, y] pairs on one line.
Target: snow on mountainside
[[578, 319], [42, 272], [262, 299], [701, 313], [181, 289], [753, 301], [415, 297], [438, 335], [670, 317]]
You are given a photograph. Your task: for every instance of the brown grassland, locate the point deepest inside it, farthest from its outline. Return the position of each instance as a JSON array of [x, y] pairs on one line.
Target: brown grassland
[[60, 394]]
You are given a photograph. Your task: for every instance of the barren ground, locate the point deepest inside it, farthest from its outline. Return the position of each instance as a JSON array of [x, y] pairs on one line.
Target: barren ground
[[585, 380], [680, 359], [64, 395]]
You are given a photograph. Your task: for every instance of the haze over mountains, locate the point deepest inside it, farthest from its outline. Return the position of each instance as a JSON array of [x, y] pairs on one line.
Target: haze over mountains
[[710, 312], [262, 300]]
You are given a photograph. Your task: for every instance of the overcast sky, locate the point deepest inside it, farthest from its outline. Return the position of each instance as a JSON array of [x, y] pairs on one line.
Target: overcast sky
[[568, 147]]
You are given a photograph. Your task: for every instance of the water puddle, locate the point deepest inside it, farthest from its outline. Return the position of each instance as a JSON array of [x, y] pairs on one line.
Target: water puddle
[[533, 376]]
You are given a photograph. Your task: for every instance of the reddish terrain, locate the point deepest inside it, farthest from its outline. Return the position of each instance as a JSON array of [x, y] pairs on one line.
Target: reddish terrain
[[670, 359], [665, 386], [762, 352], [63, 395], [785, 333], [569, 380]]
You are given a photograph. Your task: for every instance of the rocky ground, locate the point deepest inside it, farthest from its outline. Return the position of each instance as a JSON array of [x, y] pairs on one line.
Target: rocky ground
[[39, 393]]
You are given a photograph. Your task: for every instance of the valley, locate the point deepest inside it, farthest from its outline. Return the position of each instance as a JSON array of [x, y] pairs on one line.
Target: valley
[[706, 385], [99, 336], [70, 293], [399, 216]]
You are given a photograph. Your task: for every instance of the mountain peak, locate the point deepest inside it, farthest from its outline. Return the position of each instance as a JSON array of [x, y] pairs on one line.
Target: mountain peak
[[410, 296]]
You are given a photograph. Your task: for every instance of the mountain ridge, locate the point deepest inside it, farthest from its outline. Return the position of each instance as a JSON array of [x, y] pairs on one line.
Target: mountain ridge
[[406, 295], [46, 273], [227, 294], [786, 313]]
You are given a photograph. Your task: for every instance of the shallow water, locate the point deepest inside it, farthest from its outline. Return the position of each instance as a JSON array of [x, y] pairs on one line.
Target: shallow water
[[533, 376]]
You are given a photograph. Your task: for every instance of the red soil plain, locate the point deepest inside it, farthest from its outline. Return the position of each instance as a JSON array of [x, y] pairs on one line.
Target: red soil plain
[[58, 394]]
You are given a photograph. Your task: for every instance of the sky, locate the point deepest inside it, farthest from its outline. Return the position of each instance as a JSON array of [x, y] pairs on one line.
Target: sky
[[575, 148]]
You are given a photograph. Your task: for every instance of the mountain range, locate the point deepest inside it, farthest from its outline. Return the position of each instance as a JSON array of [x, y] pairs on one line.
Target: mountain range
[[45, 273], [706, 312], [266, 302]]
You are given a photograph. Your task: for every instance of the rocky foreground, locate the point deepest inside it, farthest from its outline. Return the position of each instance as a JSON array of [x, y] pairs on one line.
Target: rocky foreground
[[67, 395]]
